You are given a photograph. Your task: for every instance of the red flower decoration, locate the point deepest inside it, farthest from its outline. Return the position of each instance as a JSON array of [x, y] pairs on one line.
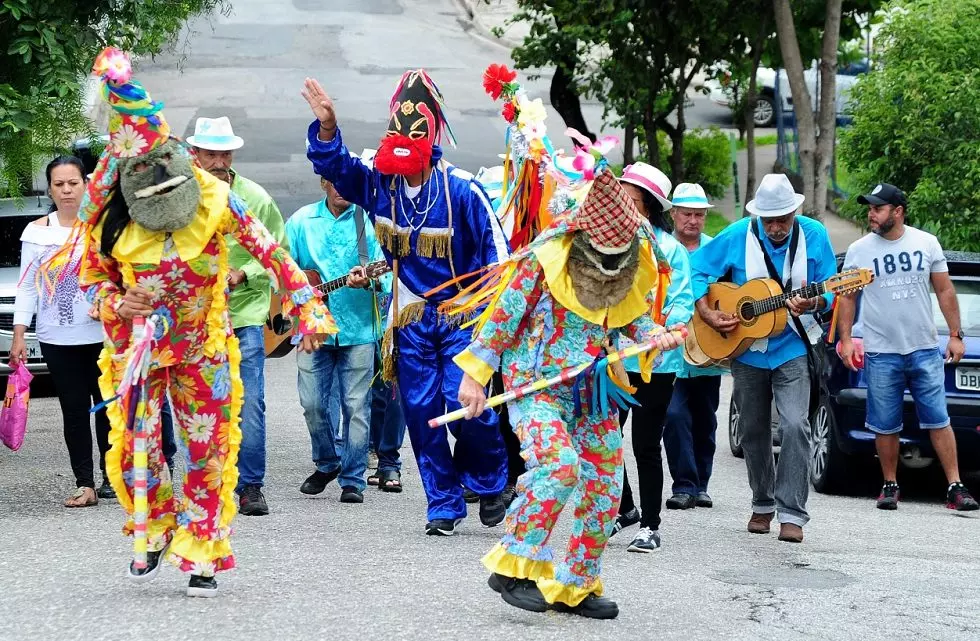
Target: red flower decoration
[[509, 112], [495, 78]]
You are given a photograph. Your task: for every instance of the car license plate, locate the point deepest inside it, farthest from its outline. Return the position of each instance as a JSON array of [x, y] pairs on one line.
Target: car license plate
[[33, 350], [968, 378]]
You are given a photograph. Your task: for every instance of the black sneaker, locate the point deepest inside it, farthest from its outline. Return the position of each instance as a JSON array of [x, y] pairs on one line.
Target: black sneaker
[[492, 510], [350, 494], [523, 594], [646, 540], [152, 567], [318, 481], [497, 582], [625, 519], [441, 527], [681, 501], [704, 500], [202, 586], [470, 496], [958, 498], [105, 491], [888, 499], [509, 494], [592, 607], [251, 501]]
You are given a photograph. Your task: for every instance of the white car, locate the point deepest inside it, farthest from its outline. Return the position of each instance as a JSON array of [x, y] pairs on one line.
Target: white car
[[14, 217], [765, 111]]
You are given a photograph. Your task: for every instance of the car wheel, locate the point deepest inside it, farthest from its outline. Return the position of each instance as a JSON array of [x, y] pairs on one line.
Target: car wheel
[[829, 464], [734, 434], [765, 111]]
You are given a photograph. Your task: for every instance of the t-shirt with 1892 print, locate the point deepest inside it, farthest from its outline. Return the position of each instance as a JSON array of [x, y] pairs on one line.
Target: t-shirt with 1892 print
[[896, 309]]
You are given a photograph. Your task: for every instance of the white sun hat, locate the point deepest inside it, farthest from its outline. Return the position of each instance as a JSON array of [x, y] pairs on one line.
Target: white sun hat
[[775, 197], [690, 195], [214, 134], [649, 178]]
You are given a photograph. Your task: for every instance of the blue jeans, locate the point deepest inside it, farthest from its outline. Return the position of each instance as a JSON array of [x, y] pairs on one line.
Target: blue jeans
[[387, 425], [309, 399], [251, 455], [923, 372], [352, 368], [689, 433]]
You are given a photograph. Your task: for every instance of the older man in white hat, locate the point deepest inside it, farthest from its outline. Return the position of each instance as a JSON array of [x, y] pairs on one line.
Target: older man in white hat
[[689, 431], [214, 142], [774, 243]]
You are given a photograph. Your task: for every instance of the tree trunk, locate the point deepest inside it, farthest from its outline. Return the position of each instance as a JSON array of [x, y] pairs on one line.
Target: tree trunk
[[827, 114], [677, 141], [650, 136], [565, 100], [629, 136], [750, 104], [789, 46]]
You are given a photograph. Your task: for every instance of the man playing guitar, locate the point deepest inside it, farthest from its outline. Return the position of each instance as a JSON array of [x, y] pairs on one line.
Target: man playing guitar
[[775, 243]]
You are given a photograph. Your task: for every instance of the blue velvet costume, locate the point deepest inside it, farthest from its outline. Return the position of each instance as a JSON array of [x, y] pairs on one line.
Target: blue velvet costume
[[430, 251]]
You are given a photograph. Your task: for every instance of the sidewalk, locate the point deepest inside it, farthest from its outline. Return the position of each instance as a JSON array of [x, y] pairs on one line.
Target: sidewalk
[[489, 15]]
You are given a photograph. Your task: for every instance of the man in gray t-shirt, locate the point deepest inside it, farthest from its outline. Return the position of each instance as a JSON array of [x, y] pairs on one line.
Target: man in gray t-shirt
[[900, 340]]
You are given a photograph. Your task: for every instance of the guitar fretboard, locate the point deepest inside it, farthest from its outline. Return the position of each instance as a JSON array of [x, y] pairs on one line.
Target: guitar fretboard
[[773, 303]]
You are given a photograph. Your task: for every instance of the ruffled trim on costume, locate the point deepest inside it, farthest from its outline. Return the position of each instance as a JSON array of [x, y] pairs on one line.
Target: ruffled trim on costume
[[198, 556], [117, 431], [570, 594], [233, 436], [217, 319], [307, 307], [501, 561], [476, 367], [410, 313]]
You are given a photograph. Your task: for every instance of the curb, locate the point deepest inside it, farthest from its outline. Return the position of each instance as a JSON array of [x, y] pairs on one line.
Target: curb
[[480, 30]]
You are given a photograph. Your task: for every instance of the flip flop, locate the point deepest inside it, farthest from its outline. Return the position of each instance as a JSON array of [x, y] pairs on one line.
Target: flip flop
[[374, 479], [391, 481], [79, 493]]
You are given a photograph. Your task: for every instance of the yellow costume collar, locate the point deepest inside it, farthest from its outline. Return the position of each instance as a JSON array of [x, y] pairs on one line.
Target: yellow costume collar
[[553, 256], [137, 244]]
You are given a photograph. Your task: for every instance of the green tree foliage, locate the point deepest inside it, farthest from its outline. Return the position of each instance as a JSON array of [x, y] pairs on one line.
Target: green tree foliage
[[46, 49], [916, 118]]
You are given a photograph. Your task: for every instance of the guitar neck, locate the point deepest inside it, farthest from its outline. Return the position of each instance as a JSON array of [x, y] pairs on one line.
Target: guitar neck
[[333, 285], [773, 303]]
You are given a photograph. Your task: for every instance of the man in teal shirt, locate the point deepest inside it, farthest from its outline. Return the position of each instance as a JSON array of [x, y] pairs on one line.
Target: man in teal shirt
[[214, 143], [326, 236]]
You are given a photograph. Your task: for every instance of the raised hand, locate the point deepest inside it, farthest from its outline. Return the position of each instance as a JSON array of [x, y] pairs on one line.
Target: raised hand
[[321, 105]]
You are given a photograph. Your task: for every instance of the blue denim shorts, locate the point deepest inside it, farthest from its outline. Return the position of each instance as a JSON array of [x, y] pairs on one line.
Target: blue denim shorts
[[888, 375]]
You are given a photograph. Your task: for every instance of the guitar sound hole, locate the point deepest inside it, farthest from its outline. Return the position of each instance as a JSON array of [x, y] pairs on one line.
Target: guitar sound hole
[[745, 311]]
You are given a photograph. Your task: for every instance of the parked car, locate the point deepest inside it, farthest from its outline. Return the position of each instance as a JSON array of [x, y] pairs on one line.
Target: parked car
[[720, 91], [841, 443], [14, 217]]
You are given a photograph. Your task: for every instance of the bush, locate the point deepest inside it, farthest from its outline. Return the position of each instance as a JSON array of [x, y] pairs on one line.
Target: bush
[[916, 118], [707, 160]]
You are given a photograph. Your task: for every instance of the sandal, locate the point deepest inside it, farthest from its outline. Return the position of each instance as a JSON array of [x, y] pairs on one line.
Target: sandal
[[391, 481], [83, 497], [374, 479]]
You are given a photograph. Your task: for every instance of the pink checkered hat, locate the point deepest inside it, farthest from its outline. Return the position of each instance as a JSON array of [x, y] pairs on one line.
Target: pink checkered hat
[[608, 216]]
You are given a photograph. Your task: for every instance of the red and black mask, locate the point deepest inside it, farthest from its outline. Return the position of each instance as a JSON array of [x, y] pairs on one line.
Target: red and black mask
[[415, 125]]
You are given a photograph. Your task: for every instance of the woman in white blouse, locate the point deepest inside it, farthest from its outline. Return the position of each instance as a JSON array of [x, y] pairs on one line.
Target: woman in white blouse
[[69, 337]]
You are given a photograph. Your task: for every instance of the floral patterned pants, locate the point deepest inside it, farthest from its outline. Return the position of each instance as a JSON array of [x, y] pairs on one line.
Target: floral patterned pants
[[569, 460], [207, 398]]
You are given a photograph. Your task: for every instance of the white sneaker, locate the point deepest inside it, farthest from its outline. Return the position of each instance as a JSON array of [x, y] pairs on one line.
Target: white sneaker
[[646, 540]]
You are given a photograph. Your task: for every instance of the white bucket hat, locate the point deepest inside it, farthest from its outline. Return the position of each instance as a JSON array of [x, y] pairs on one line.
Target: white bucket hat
[[214, 134], [649, 178], [690, 195], [775, 197]]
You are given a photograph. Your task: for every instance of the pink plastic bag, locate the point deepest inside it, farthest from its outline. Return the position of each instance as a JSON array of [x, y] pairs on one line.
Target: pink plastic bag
[[13, 415]]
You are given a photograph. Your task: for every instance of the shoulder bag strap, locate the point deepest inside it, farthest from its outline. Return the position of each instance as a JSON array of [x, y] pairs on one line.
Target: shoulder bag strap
[[362, 252]]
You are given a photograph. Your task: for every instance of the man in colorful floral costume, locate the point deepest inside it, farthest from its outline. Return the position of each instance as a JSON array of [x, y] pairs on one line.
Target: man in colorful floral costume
[[154, 226], [435, 224], [594, 272]]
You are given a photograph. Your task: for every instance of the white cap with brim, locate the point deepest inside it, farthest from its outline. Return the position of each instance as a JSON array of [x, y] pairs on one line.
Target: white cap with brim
[[775, 197], [214, 134]]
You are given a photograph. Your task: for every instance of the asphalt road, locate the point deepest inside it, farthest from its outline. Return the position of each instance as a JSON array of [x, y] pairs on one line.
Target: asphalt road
[[318, 569]]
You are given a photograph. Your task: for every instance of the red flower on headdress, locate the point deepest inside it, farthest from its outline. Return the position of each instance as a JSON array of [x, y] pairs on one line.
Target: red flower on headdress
[[509, 112], [495, 79]]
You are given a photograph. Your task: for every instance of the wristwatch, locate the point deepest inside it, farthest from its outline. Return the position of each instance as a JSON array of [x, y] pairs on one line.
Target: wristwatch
[[957, 334]]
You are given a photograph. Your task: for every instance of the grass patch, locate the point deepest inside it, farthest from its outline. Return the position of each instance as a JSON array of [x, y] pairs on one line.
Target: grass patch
[[762, 141], [714, 223]]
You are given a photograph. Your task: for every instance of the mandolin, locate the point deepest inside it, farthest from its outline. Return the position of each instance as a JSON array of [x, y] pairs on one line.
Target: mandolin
[[760, 305], [278, 333]]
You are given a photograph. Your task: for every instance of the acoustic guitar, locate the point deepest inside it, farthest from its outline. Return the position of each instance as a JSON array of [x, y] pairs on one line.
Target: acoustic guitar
[[760, 306], [278, 330]]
